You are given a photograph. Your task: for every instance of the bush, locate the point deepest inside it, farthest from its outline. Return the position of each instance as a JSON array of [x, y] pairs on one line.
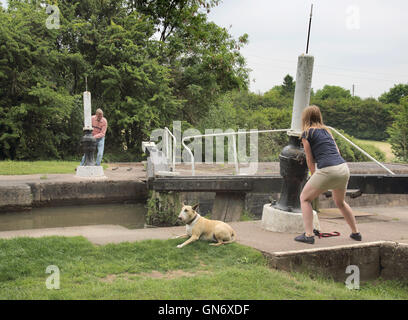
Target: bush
[[351, 154], [399, 132], [163, 209]]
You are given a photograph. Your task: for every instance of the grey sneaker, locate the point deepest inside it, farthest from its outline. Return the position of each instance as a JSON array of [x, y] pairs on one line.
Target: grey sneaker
[[356, 236], [303, 238]]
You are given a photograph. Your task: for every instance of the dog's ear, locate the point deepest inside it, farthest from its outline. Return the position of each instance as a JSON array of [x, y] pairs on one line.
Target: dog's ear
[[194, 207]]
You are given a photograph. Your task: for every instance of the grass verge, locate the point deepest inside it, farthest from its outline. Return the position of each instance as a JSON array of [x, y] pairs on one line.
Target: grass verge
[[383, 146], [38, 167], [156, 269]]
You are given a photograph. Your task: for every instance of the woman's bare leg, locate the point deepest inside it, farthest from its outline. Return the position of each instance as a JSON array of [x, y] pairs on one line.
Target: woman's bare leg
[[306, 197], [338, 197]]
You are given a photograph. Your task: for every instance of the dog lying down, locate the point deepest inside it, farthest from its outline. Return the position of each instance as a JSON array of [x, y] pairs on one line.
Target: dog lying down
[[198, 227]]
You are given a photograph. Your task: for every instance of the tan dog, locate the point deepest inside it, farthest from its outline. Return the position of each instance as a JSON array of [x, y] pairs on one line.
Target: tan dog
[[198, 227]]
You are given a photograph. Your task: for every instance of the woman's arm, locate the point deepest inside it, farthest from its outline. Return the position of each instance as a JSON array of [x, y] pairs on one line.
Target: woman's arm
[[311, 164]]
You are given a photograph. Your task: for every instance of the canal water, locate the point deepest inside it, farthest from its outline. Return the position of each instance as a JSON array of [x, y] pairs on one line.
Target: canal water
[[131, 216]]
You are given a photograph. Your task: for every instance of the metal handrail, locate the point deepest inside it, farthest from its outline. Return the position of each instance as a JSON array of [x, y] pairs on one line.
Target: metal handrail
[[365, 153], [173, 153], [264, 131], [223, 134]]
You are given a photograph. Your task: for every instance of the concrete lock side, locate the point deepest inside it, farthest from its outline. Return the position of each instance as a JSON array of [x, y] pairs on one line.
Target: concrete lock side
[[394, 260], [15, 196], [331, 262], [385, 259], [24, 196]]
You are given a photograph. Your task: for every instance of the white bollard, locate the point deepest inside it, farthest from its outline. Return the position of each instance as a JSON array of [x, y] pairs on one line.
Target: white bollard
[[87, 111], [302, 92]]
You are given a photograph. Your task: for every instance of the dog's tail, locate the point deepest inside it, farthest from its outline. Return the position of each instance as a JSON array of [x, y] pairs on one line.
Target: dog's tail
[[233, 237]]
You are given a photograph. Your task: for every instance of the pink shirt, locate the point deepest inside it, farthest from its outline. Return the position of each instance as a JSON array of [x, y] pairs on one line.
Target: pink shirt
[[99, 127]]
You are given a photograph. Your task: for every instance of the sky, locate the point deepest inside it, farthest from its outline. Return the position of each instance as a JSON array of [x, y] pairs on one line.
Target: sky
[[360, 42]]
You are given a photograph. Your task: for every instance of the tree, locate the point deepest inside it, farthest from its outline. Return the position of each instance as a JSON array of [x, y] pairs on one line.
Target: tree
[[288, 86], [33, 105], [281, 96], [169, 16], [399, 132], [395, 94], [204, 59], [332, 92], [361, 118], [147, 63]]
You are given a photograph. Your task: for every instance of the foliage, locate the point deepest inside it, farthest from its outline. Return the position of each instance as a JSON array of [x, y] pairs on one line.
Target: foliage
[[246, 111], [362, 118], [288, 86], [140, 82], [163, 209], [35, 106], [352, 154], [399, 132], [395, 94], [332, 93]]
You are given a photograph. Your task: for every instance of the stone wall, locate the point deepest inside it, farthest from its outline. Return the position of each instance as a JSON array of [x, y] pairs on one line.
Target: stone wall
[[25, 196], [385, 259]]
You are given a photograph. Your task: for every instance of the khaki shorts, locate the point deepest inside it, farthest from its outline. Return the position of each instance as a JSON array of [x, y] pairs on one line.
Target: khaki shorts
[[333, 177]]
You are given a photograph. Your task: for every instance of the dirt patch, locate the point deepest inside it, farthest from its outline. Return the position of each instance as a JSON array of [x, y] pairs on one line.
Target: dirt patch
[[173, 274], [109, 278]]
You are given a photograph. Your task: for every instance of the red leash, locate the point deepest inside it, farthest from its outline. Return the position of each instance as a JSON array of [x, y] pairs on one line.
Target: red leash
[[325, 234]]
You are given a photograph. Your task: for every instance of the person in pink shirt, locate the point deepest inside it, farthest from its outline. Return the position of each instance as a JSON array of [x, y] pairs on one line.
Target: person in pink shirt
[[99, 125]]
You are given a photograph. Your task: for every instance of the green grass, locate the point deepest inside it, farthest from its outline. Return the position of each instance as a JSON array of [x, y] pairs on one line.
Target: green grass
[[38, 167], [383, 146], [131, 270]]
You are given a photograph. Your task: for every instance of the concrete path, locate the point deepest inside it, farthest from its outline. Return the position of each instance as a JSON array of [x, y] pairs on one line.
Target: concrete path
[[375, 224]]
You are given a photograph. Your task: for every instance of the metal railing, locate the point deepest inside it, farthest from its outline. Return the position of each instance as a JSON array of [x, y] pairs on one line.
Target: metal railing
[[361, 150], [264, 131], [169, 151], [224, 134]]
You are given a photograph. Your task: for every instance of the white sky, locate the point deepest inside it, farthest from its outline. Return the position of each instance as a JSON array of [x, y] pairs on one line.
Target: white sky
[[361, 42]]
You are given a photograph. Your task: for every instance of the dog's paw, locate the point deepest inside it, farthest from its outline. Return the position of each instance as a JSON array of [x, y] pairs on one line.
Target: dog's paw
[[179, 246]]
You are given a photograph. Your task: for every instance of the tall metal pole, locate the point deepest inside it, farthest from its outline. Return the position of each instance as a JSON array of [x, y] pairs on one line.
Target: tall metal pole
[[308, 32]]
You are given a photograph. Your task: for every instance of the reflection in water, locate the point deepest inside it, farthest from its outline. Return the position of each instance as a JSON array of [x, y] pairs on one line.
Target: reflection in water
[[131, 216]]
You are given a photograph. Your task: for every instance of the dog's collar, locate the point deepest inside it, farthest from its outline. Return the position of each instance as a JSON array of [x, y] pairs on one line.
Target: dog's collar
[[194, 220]]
